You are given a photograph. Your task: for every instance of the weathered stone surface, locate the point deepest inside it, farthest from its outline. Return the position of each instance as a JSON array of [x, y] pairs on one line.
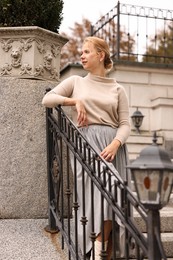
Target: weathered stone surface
[[30, 52], [23, 170], [27, 54]]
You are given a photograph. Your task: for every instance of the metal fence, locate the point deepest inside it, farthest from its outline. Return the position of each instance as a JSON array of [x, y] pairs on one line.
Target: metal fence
[[138, 34], [65, 143]]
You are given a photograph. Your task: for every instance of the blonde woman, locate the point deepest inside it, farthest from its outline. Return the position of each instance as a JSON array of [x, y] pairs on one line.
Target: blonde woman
[[100, 110]]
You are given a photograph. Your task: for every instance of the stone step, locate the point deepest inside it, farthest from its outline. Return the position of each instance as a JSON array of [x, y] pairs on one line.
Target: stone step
[[147, 258], [166, 220], [26, 239], [167, 241], [171, 200]]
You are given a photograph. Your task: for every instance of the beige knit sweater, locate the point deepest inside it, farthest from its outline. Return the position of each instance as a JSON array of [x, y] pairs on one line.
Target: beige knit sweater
[[104, 99]]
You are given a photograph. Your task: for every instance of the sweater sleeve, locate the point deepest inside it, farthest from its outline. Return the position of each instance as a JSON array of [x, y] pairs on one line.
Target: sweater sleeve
[[123, 131], [58, 94]]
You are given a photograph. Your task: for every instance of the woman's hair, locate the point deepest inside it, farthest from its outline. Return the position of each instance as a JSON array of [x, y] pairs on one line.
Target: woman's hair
[[101, 45]]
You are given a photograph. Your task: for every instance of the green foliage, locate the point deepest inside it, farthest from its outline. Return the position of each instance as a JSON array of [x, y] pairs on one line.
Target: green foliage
[[43, 13], [71, 51], [160, 49]]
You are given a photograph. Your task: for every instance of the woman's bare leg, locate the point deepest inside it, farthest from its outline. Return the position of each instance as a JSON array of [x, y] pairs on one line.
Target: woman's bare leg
[[107, 231], [109, 249]]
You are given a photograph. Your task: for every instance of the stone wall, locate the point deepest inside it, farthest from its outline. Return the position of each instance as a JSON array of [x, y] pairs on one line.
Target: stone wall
[[150, 89]]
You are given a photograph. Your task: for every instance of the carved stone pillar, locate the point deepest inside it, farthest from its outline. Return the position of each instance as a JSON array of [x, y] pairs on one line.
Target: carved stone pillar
[[30, 52], [26, 55]]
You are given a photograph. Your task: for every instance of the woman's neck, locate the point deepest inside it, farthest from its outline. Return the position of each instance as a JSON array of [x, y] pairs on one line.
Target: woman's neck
[[100, 73]]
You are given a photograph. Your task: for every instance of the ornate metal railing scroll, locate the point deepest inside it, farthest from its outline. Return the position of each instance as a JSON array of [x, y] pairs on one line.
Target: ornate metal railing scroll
[[137, 34]]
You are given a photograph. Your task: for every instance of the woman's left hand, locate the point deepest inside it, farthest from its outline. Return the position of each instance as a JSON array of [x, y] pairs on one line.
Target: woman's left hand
[[110, 151]]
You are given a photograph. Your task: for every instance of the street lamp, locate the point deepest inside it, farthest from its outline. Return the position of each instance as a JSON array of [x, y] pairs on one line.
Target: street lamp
[[152, 172]]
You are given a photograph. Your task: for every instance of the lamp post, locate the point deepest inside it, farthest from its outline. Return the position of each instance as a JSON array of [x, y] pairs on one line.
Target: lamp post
[[152, 172]]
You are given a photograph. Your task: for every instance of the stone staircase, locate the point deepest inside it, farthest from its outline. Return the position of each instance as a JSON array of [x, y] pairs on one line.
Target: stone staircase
[[166, 218]]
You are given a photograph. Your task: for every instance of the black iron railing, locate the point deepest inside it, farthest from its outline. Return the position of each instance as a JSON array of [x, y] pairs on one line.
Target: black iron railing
[[65, 143], [138, 34]]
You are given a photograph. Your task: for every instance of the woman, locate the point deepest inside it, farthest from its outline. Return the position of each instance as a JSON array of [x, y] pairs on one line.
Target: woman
[[100, 110]]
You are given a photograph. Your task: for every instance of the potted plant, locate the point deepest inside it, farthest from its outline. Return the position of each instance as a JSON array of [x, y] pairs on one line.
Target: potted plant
[[29, 41]]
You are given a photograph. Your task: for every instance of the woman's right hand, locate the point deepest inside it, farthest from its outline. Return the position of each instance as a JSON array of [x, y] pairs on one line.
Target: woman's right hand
[[80, 108], [81, 114]]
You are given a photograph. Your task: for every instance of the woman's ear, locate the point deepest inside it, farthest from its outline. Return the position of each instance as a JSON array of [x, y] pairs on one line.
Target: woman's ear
[[102, 55]]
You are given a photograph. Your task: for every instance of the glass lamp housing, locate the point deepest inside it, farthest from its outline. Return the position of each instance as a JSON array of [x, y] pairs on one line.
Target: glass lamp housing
[[152, 172], [153, 186]]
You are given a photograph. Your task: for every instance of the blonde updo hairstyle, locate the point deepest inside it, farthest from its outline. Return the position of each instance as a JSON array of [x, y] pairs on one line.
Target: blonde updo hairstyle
[[101, 45]]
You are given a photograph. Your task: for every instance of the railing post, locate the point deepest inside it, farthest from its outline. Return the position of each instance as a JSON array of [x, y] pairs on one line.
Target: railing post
[[51, 227]]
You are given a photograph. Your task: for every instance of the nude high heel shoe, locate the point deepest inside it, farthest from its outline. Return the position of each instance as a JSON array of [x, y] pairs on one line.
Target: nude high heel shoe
[[98, 248]]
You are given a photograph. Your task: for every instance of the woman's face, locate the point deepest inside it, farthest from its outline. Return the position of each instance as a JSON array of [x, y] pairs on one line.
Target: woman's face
[[90, 57]]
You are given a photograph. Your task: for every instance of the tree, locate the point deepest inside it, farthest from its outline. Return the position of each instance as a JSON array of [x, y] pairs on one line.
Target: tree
[[42, 13], [161, 48], [114, 37], [71, 51]]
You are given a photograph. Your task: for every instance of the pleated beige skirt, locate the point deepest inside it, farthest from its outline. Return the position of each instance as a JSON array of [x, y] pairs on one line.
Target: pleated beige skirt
[[98, 136]]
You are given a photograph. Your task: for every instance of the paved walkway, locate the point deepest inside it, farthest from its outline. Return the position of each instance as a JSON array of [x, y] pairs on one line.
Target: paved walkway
[[26, 239]]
